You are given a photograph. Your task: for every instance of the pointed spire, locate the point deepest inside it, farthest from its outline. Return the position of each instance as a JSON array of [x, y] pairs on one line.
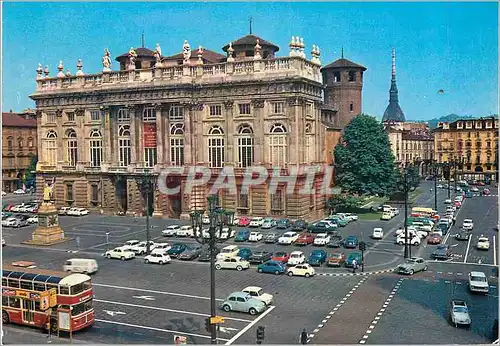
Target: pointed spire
[[142, 39], [342, 54], [393, 112], [393, 63], [250, 22]]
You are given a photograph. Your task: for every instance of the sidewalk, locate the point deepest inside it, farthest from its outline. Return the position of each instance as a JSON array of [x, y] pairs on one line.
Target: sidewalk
[[20, 335]]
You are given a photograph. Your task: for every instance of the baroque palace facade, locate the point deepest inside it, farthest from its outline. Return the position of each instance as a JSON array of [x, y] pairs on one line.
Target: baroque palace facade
[[100, 133]]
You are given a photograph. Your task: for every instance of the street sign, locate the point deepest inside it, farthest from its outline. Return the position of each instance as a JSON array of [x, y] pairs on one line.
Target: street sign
[[216, 320]]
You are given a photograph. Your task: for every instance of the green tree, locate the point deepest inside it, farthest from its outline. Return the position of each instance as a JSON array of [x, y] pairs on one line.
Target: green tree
[[28, 176], [363, 159], [342, 201]]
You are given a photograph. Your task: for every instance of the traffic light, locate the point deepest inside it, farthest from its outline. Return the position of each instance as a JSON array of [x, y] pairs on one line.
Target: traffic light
[[362, 245], [208, 326], [260, 334]]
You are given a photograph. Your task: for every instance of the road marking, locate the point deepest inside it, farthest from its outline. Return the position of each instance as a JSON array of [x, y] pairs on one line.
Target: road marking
[[494, 251], [113, 313], [243, 331], [144, 297], [467, 251], [152, 291], [158, 329], [165, 309], [469, 263], [226, 329]]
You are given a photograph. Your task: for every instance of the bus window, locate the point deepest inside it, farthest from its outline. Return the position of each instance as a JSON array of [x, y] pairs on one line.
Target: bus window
[[4, 282], [39, 286], [5, 301], [26, 285], [37, 306], [78, 288], [49, 286], [81, 308], [14, 302], [64, 290], [87, 285], [13, 283]]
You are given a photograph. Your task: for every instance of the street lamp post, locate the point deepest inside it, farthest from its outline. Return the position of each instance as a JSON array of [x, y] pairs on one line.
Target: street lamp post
[[435, 188], [145, 185], [407, 184], [218, 219]]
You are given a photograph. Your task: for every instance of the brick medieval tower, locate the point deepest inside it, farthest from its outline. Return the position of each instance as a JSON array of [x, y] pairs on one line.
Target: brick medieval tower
[[344, 85]]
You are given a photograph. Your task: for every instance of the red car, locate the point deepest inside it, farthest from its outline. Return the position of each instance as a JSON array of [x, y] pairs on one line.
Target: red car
[[244, 221], [305, 239], [281, 257], [8, 207], [486, 192], [481, 183], [434, 238], [458, 204]]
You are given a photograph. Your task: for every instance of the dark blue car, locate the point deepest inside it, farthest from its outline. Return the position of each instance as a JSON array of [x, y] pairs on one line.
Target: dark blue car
[[242, 235], [176, 250], [283, 224], [351, 242], [317, 257], [245, 253], [273, 267]]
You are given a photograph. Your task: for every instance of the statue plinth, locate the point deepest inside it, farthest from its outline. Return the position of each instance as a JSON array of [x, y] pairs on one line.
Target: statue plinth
[[48, 231]]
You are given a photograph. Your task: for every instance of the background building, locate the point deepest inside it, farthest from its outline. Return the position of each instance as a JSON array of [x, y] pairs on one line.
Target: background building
[[99, 132], [472, 144], [19, 147]]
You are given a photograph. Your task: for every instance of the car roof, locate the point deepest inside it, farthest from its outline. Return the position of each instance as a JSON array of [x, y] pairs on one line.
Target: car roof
[[252, 288], [229, 247], [481, 274], [297, 253], [239, 294]]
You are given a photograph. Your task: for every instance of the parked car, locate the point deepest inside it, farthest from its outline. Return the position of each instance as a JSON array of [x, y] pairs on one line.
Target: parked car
[[321, 239], [478, 282], [386, 216], [242, 235], [412, 266], [463, 235], [322, 227], [19, 192], [255, 236], [243, 302], [260, 256], [63, 210], [271, 238], [296, 257], [170, 231], [459, 313], [351, 242], [244, 221], [129, 244], [317, 257], [161, 248], [447, 201], [232, 263], [351, 257], [288, 238], [227, 233], [119, 253], [301, 270], [468, 194], [258, 293], [245, 253], [185, 231], [192, 252], [468, 224], [141, 248], [299, 225], [273, 267], [77, 212], [282, 257], [336, 259], [283, 224], [159, 258], [378, 233], [441, 252], [32, 219], [205, 254], [434, 238], [483, 243], [268, 223], [336, 241], [486, 192], [228, 251], [176, 250], [305, 239], [256, 222]]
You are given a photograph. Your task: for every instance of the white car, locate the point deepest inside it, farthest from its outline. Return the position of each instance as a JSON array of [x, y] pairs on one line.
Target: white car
[[483, 243], [236, 221], [77, 212], [185, 231], [395, 211], [256, 222], [170, 231], [255, 236], [33, 219], [4, 193], [205, 233], [321, 239], [451, 209], [296, 257], [205, 220], [159, 258], [288, 238], [468, 224], [387, 216], [19, 192], [10, 222], [351, 217], [412, 240], [478, 282], [301, 270], [141, 248], [232, 263], [414, 231], [17, 208], [161, 248], [474, 189], [227, 233], [120, 253], [258, 293], [378, 233], [129, 244], [447, 201]]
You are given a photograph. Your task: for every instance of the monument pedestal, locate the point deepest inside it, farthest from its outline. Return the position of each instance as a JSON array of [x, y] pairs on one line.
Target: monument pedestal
[[48, 231]]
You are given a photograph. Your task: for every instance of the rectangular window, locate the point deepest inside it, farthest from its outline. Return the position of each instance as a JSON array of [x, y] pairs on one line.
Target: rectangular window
[[21, 143], [69, 192], [215, 110], [244, 108], [308, 148], [336, 77], [277, 150], [479, 125], [51, 151], [123, 115], [309, 110], [95, 115], [468, 125], [9, 145], [460, 125], [72, 152], [277, 202], [245, 151], [149, 115], [488, 125], [95, 153], [277, 107], [51, 118], [177, 151], [352, 76], [150, 157], [30, 143], [243, 200], [70, 116], [94, 193], [216, 152], [176, 113], [125, 152]]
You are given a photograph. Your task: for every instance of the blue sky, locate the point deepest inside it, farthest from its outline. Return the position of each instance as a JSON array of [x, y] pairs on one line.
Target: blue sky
[[449, 46]]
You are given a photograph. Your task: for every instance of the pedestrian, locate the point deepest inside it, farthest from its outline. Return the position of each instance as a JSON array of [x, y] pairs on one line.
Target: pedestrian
[[304, 338], [354, 266]]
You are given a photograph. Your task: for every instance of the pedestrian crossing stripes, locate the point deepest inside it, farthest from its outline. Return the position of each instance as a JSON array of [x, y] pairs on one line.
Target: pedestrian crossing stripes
[[359, 273]]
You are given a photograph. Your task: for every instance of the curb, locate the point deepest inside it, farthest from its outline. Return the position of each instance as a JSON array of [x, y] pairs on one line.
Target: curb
[[358, 274]]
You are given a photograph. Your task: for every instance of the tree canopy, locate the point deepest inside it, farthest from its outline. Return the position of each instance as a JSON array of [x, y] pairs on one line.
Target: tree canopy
[[363, 159], [342, 201]]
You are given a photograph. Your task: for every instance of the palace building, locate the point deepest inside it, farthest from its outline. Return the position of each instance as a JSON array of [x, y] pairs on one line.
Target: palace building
[[100, 133]]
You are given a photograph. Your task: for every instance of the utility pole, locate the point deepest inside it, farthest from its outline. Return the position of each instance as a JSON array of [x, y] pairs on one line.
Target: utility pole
[[407, 184], [435, 189], [144, 183]]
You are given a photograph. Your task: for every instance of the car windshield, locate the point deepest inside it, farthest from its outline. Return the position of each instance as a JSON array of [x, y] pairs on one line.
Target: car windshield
[[478, 278], [411, 261], [336, 255], [321, 236], [295, 255], [280, 254], [461, 309], [442, 247]]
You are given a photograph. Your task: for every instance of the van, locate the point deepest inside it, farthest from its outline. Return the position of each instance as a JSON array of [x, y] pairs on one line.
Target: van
[[478, 282], [81, 265], [228, 251]]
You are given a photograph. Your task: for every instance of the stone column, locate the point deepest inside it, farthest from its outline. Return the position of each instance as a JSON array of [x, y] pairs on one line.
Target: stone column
[[198, 136], [259, 130], [133, 135], [229, 132], [108, 137], [166, 137], [188, 148], [160, 130], [295, 123], [139, 139]]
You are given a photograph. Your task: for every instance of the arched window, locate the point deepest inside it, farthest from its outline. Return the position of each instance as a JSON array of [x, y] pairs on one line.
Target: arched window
[[124, 145], [216, 147], [20, 143], [51, 147], [177, 144], [30, 142], [245, 146], [10, 143], [95, 148], [278, 144], [72, 147]]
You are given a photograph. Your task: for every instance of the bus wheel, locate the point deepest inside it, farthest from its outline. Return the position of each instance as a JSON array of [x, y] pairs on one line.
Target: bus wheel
[[5, 317]]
